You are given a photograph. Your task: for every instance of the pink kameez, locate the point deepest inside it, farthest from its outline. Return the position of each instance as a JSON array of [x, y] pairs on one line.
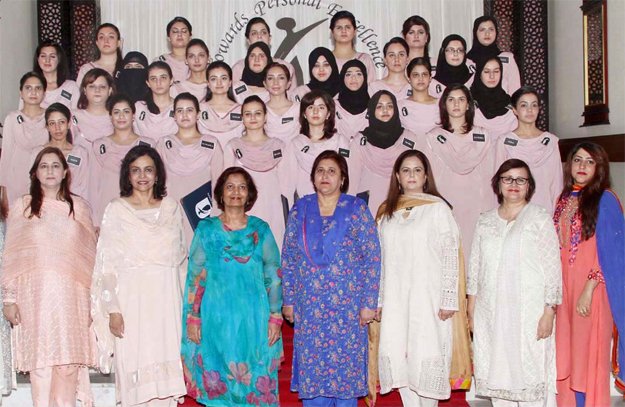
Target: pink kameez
[[419, 118], [154, 126], [283, 126], [87, 127], [179, 69], [223, 126]]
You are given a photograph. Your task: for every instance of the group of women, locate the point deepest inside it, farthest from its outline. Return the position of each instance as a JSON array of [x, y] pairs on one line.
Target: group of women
[[181, 221]]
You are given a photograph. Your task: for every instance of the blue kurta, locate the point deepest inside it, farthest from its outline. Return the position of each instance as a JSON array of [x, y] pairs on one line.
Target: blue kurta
[[328, 277], [232, 286]]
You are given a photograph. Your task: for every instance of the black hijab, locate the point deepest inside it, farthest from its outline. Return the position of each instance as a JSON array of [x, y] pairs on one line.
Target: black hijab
[[447, 74], [250, 77], [480, 53], [382, 134], [492, 102], [132, 81], [354, 101], [331, 85]]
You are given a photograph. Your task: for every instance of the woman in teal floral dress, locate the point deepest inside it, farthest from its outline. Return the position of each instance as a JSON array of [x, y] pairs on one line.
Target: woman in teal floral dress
[[231, 349]]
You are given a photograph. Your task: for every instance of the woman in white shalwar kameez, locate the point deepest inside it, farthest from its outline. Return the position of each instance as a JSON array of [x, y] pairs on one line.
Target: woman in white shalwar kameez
[[419, 290], [514, 284]]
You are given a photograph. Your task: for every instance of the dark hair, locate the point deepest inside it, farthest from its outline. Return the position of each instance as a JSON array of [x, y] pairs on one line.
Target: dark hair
[[91, 76], [483, 19], [179, 19], [444, 114], [308, 100], [523, 90], [36, 192], [160, 184], [62, 68], [255, 20], [343, 14], [196, 41], [64, 110], [590, 195], [506, 166], [418, 61], [119, 61], [216, 65], [277, 65], [33, 74], [119, 98], [252, 191], [394, 189], [339, 160], [396, 40], [149, 98], [252, 99], [418, 20], [190, 97]]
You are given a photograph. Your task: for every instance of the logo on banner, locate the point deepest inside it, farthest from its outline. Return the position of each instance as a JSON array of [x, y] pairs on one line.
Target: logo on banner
[[203, 208]]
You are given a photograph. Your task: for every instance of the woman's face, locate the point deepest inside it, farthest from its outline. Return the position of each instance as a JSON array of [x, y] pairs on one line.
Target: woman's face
[[235, 191], [185, 114], [257, 60], [317, 113], [486, 33], [253, 116], [121, 116], [583, 167], [385, 109], [457, 104], [197, 58], [276, 81], [514, 192], [416, 37], [454, 53], [527, 108], [354, 78], [322, 69], [259, 32], [50, 172], [219, 81], [491, 74], [420, 78], [396, 58], [328, 178], [142, 174], [48, 59], [107, 41], [32, 93], [159, 81], [343, 31], [179, 35], [57, 126], [412, 176], [98, 91]]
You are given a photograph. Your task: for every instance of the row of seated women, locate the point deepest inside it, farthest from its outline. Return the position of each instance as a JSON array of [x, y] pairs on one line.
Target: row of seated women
[[75, 300]]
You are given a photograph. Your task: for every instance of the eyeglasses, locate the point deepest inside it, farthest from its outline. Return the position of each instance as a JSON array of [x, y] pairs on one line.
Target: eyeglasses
[[509, 180], [454, 51]]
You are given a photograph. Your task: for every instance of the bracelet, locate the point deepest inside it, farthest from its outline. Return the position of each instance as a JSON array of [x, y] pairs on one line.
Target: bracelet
[[596, 275], [552, 306], [275, 321]]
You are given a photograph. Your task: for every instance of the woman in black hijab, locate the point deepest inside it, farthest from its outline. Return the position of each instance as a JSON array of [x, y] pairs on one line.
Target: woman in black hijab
[[451, 66], [323, 72], [132, 78], [353, 99], [257, 59]]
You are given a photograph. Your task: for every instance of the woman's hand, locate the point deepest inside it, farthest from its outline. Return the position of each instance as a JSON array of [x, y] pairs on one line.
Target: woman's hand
[[366, 316], [194, 332], [116, 324], [288, 313], [470, 310], [585, 298], [11, 313], [378, 315], [545, 324], [444, 314], [274, 333]]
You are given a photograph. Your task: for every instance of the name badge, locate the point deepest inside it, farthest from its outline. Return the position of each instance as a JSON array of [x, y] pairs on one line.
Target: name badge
[[479, 137], [142, 116], [20, 119], [504, 60], [404, 111], [409, 92], [408, 143], [439, 89], [286, 120], [363, 140], [208, 144], [240, 89], [235, 116], [277, 153], [545, 141], [66, 95], [204, 115], [168, 144], [441, 139], [72, 159], [102, 149], [305, 149], [238, 153], [510, 142], [344, 152]]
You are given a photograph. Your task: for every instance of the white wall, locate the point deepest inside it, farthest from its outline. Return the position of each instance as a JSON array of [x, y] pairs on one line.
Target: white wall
[[566, 74], [18, 40]]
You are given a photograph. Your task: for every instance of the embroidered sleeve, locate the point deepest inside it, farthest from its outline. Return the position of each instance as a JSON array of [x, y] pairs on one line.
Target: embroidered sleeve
[[196, 279], [291, 258], [475, 261], [108, 258], [382, 271], [549, 255], [271, 271], [448, 243], [369, 246]]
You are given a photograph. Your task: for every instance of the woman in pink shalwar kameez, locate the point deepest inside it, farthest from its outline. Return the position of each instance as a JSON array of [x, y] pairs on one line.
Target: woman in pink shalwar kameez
[[395, 58], [107, 52], [51, 62], [282, 113], [198, 58], [46, 279], [419, 113], [91, 119], [23, 130], [343, 30], [154, 117], [179, 32]]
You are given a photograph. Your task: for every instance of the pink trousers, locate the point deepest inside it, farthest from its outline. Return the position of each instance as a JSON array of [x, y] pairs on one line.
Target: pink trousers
[[54, 386]]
